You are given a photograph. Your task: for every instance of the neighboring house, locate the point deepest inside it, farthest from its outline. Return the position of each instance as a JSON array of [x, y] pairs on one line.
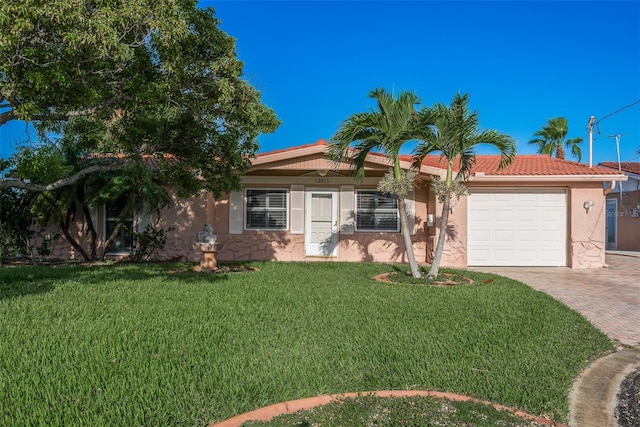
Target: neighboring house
[[623, 209], [294, 206]]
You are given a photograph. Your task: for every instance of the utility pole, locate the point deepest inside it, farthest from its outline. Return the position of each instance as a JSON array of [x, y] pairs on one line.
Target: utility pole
[[592, 123], [617, 137], [592, 120]]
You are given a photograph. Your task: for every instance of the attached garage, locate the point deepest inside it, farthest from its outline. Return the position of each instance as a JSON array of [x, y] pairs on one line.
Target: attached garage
[[517, 227]]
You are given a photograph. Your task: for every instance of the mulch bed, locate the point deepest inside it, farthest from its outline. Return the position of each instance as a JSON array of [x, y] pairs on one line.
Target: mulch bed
[[445, 279]]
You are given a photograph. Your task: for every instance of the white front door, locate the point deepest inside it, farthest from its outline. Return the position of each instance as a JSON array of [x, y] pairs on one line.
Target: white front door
[[321, 236]]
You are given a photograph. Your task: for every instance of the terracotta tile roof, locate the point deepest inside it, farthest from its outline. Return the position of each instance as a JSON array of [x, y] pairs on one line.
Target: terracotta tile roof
[[537, 165], [526, 165], [522, 165], [631, 167]]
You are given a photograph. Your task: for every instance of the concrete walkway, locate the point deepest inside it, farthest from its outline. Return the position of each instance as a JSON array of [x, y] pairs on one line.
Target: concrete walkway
[[594, 395], [610, 299]]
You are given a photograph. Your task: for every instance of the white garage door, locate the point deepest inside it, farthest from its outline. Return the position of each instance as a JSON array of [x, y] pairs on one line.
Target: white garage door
[[517, 227]]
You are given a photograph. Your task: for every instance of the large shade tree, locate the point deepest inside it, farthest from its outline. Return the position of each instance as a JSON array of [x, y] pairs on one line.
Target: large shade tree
[[138, 184], [128, 79], [385, 129], [455, 134], [551, 138]]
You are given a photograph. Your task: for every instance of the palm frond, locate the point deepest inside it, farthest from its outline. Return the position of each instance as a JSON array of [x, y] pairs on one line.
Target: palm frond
[[385, 130], [574, 145], [455, 133], [551, 138]]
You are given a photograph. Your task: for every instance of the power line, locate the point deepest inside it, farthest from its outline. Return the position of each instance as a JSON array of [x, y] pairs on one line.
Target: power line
[[593, 123], [633, 158], [617, 111]]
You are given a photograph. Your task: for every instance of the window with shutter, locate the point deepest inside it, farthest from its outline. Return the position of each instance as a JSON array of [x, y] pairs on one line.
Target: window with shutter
[[376, 211], [266, 209]]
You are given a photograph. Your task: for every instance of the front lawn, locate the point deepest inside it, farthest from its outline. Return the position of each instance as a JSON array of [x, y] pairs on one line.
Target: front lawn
[[152, 345]]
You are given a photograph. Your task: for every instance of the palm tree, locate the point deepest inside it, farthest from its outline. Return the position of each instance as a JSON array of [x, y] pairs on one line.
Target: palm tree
[[385, 130], [455, 135], [551, 139]]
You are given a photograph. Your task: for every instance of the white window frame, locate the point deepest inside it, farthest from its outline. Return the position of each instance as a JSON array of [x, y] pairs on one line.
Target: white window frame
[[376, 230], [105, 237], [286, 208]]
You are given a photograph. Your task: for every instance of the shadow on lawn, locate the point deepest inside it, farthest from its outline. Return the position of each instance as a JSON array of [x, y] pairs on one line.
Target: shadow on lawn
[[18, 281], [17, 289]]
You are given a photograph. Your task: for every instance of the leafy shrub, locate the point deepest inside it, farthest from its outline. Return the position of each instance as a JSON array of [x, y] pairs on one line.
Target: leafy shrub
[[148, 241]]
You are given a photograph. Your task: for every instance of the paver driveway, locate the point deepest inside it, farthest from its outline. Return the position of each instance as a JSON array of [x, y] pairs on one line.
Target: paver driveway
[[608, 297]]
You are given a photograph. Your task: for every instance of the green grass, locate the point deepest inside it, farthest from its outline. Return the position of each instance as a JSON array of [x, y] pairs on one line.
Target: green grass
[[134, 345]]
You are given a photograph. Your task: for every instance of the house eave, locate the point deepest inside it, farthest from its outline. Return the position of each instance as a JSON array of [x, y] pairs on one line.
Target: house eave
[[285, 155], [430, 170]]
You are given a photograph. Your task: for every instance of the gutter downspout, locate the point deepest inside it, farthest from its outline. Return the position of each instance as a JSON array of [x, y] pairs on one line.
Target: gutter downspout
[[610, 189]]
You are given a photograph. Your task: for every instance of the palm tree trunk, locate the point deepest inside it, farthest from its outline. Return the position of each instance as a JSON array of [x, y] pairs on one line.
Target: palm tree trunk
[[560, 151], [444, 219], [406, 234]]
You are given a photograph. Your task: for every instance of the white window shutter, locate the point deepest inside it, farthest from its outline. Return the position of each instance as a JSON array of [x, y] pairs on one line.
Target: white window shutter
[[236, 213], [347, 210], [143, 218], [297, 209], [410, 204]]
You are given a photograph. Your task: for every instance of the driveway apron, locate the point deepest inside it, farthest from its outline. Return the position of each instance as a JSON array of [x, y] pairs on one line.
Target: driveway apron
[[608, 297]]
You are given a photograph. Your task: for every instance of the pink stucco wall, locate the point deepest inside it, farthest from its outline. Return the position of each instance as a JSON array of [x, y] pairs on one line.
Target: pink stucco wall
[[454, 253], [585, 232], [285, 246], [186, 216], [60, 248]]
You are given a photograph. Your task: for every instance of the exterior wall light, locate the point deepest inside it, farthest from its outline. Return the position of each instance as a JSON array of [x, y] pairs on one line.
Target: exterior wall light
[[588, 205]]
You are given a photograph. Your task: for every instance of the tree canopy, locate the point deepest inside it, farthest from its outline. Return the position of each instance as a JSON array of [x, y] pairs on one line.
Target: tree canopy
[[122, 80]]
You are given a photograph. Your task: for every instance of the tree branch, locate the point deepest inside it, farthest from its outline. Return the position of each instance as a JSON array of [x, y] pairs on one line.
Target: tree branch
[[7, 116], [23, 185]]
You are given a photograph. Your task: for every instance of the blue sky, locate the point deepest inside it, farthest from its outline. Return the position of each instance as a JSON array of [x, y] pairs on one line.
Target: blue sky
[[521, 63]]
